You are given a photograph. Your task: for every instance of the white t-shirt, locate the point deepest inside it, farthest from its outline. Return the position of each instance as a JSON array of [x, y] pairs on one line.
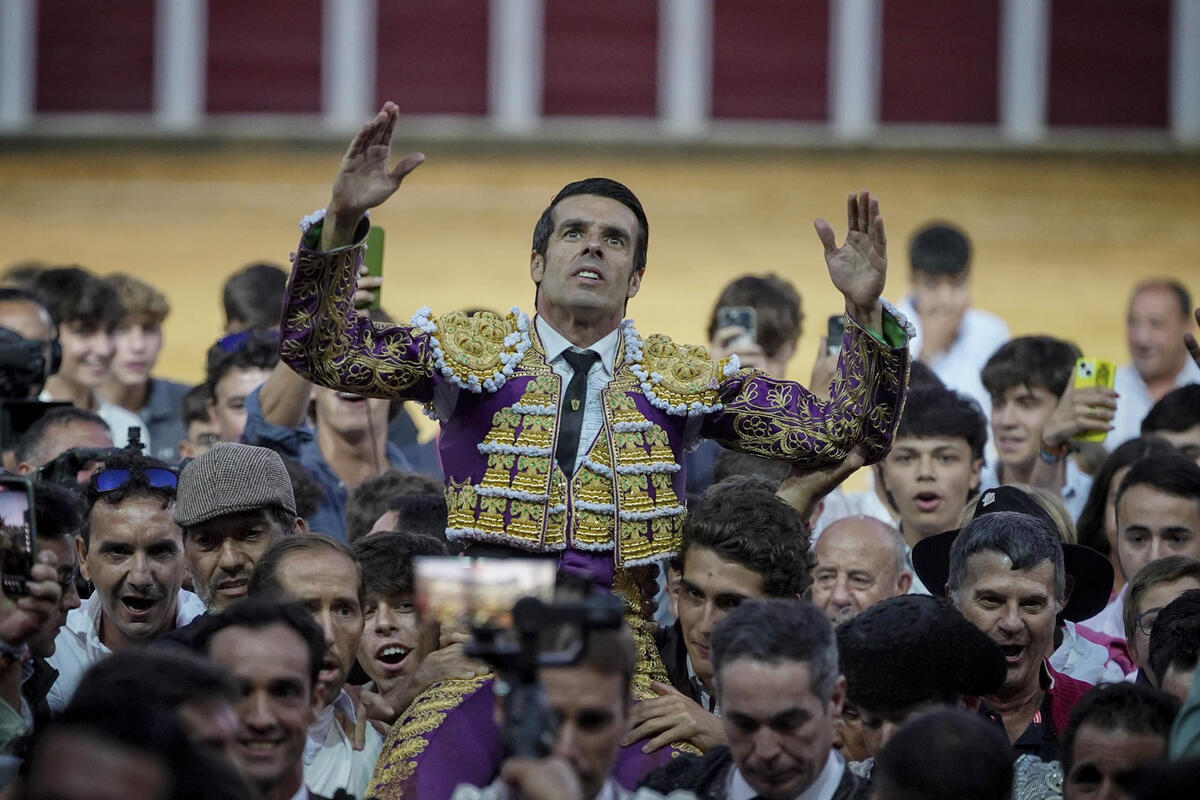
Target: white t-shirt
[[1135, 401]]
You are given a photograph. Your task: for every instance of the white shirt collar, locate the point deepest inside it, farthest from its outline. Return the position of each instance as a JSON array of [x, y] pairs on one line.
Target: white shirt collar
[[85, 620], [555, 344], [822, 788], [318, 732]]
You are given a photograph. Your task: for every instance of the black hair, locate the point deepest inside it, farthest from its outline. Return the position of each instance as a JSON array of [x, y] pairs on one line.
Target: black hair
[[741, 520], [946, 755], [1039, 362], [1182, 295], [1128, 707], [423, 513], [777, 309], [193, 406], [1171, 474], [774, 630], [386, 560], [138, 485], [601, 187], [253, 296], [933, 412], [16, 294], [1175, 637], [258, 613], [76, 296], [920, 376], [307, 493], [57, 510], [1177, 411], [1026, 540], [731, 463], [264, 580], [940, 249], [31, 442], [259, 351], [164, 677], [1090, 527], [373, 497]]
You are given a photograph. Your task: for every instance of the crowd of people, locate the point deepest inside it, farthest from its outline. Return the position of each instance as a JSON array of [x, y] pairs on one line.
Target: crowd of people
[[226, 602]]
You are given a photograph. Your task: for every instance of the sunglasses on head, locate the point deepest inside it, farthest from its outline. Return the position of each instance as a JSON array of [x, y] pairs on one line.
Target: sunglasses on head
[[236, 342], [109, 479]]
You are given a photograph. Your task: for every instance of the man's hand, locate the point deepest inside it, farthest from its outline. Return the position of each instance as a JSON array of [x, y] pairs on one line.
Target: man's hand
[[672, 717], [24, 617], [859, 267], [1189, 339], [542, 778], [803, 489], [735, 341], [364, 180], [1080, 410]]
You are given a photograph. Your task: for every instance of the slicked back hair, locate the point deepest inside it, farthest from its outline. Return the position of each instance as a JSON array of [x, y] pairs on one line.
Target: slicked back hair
[[774, 630], [1027, 541], [601, 187], [741, 520]]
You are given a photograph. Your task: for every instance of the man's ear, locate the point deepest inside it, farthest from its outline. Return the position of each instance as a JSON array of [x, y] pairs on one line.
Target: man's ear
[[635, 283], [318, 701], [837, 697], [976, 468], [904, 582], [1069, 586], [537, 266], [300, 525], [81, 556]]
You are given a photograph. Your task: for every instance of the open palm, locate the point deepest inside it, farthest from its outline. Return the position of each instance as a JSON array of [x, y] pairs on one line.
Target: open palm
[[859, 267], [364, 180]]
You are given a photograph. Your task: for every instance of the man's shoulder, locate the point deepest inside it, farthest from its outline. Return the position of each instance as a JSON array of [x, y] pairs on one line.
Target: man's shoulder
[[697, 774], [476, 350]]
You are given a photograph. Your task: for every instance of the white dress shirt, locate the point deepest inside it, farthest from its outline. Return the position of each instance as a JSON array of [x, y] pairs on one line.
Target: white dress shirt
[[1084, 659], [599, 375], [979, 336], [330, 760], [826, 783], [1135, 401], [78, 644]]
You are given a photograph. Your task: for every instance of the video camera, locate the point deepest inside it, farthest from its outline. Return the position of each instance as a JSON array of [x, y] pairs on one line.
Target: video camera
[[508, 605]]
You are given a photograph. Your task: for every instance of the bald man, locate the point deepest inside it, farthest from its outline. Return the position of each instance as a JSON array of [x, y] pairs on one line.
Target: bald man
[[860, 561]]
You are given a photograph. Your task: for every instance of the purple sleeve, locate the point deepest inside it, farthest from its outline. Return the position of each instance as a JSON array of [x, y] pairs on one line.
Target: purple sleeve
[[326, 341], [783, 420]]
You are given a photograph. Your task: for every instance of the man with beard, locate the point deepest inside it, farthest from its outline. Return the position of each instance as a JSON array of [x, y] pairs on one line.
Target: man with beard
[[322, 575], [235, 501], [132, 551]]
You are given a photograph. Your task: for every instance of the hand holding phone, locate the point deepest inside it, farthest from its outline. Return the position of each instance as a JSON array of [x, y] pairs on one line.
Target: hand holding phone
[[1092, 386]]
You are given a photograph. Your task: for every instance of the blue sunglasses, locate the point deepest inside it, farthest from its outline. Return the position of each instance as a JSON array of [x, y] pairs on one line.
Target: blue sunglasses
[[158, 478]]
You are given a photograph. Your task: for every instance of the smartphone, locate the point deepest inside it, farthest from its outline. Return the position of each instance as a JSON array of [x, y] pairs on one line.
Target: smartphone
[[373, 259], [1091, 372], [18, 533], [478, 593], [744, 317], [833, 337]]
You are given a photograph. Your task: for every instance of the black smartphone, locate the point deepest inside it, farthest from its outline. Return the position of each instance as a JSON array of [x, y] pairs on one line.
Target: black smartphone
[[374, 260], [18, 533], [833, 338], [744, 317]]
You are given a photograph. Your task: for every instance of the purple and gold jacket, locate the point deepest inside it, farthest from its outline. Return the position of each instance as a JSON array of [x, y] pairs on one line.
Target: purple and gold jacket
[[485, 377]]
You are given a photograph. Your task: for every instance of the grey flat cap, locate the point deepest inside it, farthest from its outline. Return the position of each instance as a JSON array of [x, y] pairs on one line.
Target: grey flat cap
[[230, 478]]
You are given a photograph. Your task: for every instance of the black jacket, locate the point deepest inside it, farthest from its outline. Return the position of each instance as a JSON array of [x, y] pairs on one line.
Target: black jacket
[[674, 655], [705, 776]]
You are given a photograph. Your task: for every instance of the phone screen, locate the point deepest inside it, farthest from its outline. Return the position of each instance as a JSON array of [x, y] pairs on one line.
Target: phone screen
[[478, 593], [833, 338], [16, 533], [744, 317], [373, 259]]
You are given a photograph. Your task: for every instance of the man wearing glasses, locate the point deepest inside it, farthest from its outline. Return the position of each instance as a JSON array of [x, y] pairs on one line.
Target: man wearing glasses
[[131, 550]]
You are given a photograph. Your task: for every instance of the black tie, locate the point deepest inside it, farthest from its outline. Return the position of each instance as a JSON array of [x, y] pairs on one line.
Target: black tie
[[571, 420]]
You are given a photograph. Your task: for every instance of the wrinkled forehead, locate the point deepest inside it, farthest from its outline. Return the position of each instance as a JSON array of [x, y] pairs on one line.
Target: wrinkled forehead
[[597, 209]]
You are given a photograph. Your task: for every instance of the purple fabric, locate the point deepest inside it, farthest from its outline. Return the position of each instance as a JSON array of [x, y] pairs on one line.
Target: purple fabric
[[596, 566]]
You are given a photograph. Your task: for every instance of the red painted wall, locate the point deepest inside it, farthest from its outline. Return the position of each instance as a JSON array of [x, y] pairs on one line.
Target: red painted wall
[[432, 56], [601, 58], [940, 61], [264, 55], [92, 58]]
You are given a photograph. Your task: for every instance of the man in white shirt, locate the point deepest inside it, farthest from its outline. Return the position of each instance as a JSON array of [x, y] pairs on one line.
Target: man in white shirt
[[778, 684], [132, 552], [954, 339], [322, 575], [1160, 314]]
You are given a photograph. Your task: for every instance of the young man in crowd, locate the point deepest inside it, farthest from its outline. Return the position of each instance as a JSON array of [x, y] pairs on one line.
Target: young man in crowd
[[1175, 645], [237, 365], [1112, 730], [274, 652], [1007, 578], [954, 339], [253, 298], [322, 575], [776, 674], [934, 466], [1176, 418], [132, 551], [87, 311], [1036, 411], [861, 561], [59, 430], [138, 340], [1158, 318], [1150, 591], [720, 567], [374, 496], [200, 430]]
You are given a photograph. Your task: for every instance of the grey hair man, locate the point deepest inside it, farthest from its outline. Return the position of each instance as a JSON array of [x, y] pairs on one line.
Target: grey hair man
[[1007, 578], [776, 669], [861, 561]]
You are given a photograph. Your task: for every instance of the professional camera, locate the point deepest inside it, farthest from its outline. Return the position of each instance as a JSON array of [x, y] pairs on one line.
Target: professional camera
[[24, 366]]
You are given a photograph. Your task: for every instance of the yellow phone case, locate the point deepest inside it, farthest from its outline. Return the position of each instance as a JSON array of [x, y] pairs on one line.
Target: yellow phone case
[[1091, 372]]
